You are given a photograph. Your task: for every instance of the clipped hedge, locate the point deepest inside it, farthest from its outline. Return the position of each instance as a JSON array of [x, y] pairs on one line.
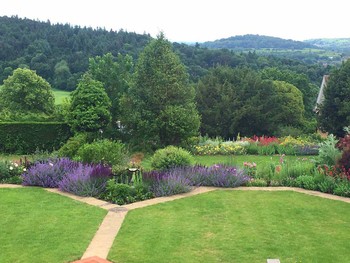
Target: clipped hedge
[[27, 137]]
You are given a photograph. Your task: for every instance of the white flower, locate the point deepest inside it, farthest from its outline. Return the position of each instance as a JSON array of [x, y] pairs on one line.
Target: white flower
[[51, 164], [16, 164], [24, 169], [11, 168]]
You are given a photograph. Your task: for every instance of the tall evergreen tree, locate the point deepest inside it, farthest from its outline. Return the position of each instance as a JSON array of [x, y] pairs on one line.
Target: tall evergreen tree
[[159, 108], [335, 110]]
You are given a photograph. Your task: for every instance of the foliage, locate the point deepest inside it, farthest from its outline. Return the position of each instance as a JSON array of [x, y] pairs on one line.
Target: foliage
[[49, 173], [342, 188], [116, 74], [234, 100], [170, 157], [71, 147], [10, 172], [306, 182], [299, 80], [335, 110], [86, 180], [328, 152], [344, 160], [26, 92], [159, 108], [90, 106], [103, 151], [26, 138], [121, 194]]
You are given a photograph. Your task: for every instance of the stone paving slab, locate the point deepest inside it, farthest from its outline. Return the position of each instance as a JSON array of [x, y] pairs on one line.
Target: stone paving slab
[[92, 260], [105, 235]]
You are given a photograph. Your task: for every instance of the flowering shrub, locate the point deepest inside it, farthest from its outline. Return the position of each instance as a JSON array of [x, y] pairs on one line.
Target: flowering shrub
[[250, 168], [10, 172], [86, 180], [180, 179], [223, 148], [48, 173]]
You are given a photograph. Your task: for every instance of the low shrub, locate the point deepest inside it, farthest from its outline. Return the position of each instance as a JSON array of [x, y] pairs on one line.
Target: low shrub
[[121, 194], [171, 157], [342, 188], [327, 185], [307, 182], [86, 180], [48, 173], [329, 154], [257, 182], [10, 172], [71, 147], [103, 151]]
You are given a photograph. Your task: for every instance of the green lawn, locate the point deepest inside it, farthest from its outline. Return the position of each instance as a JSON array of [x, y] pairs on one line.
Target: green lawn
[[60, 95], [235, 159], [38, 226], [237, 226]]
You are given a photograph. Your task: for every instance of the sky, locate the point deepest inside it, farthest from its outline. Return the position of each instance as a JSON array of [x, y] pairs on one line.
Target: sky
[[194, 20]]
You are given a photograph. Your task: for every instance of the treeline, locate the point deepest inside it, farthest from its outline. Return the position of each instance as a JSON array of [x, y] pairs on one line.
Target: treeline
[[60, 53], [257, 42]]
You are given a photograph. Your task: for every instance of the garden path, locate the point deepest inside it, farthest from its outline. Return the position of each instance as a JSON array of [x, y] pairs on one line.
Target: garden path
[[101, 243]]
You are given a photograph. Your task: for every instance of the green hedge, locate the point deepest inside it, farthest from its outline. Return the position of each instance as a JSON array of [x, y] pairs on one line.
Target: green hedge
[[27, 137]]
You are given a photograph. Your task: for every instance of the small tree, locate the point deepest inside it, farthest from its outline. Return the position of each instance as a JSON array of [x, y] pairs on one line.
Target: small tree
[[159, 108], [90, 106], [26, 92]]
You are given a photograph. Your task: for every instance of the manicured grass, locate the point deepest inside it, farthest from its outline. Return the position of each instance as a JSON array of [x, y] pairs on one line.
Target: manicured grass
[[237, 226], [38, 226], [60, 95], [235, 159]]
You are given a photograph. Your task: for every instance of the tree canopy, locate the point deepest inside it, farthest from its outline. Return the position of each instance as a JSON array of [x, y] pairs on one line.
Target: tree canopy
[[335, 110], [90, 106], [159, 108], [26, 92]]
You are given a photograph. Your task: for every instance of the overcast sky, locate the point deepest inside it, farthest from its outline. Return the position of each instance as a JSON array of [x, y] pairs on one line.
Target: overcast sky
[[195, 20]]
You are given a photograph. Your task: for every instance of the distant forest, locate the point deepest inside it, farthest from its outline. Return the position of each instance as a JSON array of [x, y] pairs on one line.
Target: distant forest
[[60, 52]]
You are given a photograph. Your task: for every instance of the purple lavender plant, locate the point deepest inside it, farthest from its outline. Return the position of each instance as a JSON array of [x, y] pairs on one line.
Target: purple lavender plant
[[181, 179], [48, 173], [86, 180]]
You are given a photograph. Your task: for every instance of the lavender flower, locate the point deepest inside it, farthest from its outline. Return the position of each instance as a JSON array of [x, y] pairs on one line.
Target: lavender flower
[[48, 173], [86, 180]]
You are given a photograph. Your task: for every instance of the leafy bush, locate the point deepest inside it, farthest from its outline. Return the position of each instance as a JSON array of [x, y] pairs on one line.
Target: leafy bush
[[49, 173], [71, 147], [327, 185], [10, 172], [121, 194], [342, 188], [170, 157], [103, 151], [344, 161], [257, 182], [306, 182], [328, 152], [86, 180]]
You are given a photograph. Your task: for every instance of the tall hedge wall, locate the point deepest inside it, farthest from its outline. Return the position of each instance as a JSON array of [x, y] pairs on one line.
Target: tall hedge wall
[[26, 138]]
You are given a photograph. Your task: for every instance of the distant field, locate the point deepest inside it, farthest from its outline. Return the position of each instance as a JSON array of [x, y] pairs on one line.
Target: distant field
[[60, 95]]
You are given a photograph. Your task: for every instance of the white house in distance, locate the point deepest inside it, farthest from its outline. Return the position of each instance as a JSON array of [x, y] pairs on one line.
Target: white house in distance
[[320, 97]]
